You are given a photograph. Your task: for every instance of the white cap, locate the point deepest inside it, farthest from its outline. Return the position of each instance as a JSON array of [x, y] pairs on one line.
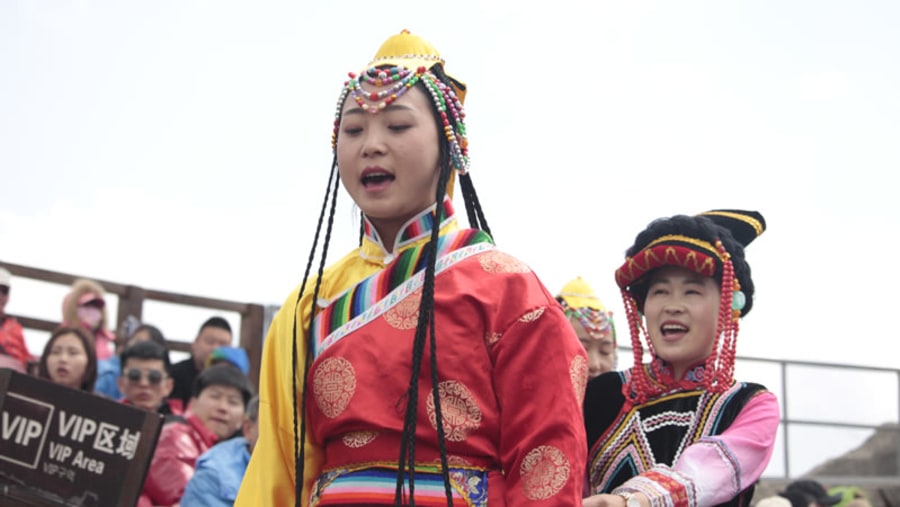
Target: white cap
[[5, 276]]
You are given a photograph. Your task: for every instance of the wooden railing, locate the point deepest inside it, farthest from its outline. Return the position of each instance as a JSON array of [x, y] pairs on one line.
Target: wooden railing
[[131, 302]]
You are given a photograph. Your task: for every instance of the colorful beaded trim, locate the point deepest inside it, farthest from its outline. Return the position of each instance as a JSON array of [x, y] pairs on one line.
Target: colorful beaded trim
[[397, 81]]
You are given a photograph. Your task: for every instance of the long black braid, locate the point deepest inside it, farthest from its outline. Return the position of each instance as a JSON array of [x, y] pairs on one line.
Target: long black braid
[[299, 449], [473, 205], [424, 327]]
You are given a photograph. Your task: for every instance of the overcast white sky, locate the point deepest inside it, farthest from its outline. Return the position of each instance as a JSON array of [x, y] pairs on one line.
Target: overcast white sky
[[184, 145]]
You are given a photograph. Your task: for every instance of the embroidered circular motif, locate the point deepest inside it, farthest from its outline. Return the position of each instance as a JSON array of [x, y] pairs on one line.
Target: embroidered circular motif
[[357, 439], [405, 314], [460, 413], [544, 472], [499, 262], [532, 315], [333, 385], [457, 461], [578, 370]]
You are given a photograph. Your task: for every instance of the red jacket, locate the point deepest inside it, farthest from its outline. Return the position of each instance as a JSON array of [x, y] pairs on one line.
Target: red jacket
[[12, 341], [180, 443]]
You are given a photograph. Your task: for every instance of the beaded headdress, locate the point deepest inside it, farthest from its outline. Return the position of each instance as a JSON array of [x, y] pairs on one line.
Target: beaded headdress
[[580, 303], [401, 62], [680, 246]]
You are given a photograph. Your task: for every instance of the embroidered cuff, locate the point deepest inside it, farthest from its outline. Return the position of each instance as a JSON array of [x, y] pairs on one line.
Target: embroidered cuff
[[663, 487]]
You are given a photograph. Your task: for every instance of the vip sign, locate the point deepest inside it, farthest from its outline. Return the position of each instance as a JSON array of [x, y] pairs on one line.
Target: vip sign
[[25, 424], [62, 446]]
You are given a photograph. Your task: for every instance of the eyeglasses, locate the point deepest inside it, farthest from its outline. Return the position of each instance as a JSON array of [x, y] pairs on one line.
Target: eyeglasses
[[154, 377], [4, 290]]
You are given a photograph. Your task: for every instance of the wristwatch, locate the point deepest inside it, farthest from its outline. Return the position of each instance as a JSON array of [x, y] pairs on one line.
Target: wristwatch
[[630, 500]]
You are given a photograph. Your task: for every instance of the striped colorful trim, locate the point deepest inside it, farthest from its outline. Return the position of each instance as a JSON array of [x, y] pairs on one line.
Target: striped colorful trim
[[418, 227], [380, 292], [377, 486]]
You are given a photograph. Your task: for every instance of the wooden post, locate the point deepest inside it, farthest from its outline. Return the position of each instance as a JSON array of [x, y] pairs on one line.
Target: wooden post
[[131, 302], [252, 339]]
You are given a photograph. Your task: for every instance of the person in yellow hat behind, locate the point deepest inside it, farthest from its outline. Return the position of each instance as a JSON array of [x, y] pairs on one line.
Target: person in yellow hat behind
[[415, 370], [593, 325]]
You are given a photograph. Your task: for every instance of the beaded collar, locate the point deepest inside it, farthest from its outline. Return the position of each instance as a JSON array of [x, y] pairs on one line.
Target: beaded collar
[[415, 229], [660, 372], [695, 374]]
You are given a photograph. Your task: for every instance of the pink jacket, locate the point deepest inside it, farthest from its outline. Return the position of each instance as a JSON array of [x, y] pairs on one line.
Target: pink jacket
[[180, 443]]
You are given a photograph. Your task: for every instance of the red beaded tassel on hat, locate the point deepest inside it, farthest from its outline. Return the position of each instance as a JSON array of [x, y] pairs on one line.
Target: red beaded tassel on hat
[[641, 388], [719, 366]]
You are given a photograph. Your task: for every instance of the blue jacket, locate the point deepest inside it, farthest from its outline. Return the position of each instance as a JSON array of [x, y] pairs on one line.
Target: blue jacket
[[108, 372], [218, 475]]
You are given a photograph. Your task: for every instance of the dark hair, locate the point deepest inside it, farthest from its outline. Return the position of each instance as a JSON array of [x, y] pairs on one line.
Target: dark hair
[[155, 334], [146, 350], [218, 322], [223, 374], [698, 227], [425, 326], [90, 370]]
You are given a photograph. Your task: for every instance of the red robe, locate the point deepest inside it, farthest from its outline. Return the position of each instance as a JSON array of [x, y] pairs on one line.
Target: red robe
[[511, 374]]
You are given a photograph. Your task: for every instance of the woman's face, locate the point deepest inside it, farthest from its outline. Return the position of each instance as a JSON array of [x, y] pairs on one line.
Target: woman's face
[[389, 161], [682, 310], [600, 348], [67, 361]]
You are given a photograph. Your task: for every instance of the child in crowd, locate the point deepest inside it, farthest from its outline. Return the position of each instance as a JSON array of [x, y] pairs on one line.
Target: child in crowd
[[215, 413], [679, 431], [593, 325], [69, 359], [220, 470], [427, 365]]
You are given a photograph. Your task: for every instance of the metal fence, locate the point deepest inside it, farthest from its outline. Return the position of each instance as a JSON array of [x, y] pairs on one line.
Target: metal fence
[[827, 411]]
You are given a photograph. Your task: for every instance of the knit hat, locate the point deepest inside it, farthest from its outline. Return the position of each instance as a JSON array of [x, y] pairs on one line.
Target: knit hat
[[233, 355]]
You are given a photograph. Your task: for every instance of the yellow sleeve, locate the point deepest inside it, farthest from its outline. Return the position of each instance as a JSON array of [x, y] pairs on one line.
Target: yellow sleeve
[[269, 479]]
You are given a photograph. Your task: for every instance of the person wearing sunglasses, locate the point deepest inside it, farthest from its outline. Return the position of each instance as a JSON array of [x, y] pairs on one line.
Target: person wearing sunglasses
[[146, 379]]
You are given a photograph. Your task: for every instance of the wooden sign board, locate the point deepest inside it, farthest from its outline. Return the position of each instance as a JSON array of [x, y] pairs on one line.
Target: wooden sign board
[[62, 447]]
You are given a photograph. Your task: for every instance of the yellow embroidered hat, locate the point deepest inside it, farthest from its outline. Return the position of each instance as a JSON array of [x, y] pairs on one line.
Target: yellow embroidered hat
[[398, 65], [578, 294], [411, 52]]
